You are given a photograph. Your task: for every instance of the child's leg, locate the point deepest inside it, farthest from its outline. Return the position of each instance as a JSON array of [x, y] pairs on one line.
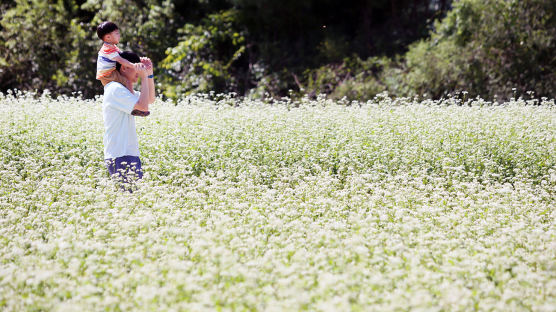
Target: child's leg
[[119, 77], [106, 79], [114, 76]]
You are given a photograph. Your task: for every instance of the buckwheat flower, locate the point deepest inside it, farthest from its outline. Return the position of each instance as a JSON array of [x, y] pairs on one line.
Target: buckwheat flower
[[389, 200]]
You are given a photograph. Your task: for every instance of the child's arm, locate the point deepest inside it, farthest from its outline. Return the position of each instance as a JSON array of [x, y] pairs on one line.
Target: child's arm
[[123, 61]]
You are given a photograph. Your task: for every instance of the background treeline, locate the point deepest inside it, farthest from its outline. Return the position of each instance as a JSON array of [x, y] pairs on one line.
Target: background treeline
[[356, 49]]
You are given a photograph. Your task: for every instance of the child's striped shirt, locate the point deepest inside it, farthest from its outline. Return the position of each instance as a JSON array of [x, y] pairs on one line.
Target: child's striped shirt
[[105, 60]]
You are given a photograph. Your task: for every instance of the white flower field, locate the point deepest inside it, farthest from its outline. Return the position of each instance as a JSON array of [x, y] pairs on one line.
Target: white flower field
[[314, 205]]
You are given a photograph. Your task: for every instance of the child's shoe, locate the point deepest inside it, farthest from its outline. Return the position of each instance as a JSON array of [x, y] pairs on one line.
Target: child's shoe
[[139, 113]]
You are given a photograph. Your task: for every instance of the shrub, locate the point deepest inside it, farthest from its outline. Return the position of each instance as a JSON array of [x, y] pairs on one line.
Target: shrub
[[354, 78], [489, 48], [204, 59]]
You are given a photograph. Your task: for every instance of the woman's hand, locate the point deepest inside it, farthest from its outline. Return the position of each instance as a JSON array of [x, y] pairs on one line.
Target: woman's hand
[[148, 64], [141, 70]]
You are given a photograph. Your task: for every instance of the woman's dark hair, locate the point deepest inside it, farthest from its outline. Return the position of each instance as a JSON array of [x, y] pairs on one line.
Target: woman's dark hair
[[105, 28], [130, 56]]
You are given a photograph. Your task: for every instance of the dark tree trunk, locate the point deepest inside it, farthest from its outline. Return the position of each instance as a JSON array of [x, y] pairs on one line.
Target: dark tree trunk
[[443, 5], [366, 24]]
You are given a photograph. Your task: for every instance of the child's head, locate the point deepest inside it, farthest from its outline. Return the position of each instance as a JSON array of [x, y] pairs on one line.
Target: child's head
[[108, 32]]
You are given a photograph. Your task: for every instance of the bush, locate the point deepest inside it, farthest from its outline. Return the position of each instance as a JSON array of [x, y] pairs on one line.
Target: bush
[[493, 48], [52, 44], [206, 57], [354, 79], [32, 52]]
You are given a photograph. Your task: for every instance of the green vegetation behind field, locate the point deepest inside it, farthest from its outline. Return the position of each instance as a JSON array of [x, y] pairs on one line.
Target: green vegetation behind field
[[357, 49]]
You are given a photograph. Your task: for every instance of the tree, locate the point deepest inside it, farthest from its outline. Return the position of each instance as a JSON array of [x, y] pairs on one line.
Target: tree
[[34, 47], [487, 48], [53, 45], [206, 58]]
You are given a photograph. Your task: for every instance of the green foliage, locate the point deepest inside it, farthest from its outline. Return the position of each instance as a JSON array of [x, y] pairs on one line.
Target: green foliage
[[148, 27], [53, 45], [36, 40], [278, 48], [487, 48], [432, 70], [353, 79], [206, 56], [493, 48], [244, 46]]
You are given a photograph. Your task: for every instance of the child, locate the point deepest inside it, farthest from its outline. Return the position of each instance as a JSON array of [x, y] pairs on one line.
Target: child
[[109, 55]]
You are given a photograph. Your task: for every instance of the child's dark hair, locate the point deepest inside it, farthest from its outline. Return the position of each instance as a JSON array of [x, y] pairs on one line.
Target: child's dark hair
[[130, 56], [105, 28]]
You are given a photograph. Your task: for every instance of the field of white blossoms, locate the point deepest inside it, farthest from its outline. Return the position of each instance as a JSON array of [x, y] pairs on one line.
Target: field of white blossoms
[[389, 205]]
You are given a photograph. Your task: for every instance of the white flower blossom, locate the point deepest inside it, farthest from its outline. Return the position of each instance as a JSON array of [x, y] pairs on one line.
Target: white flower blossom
[[308, 205]]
